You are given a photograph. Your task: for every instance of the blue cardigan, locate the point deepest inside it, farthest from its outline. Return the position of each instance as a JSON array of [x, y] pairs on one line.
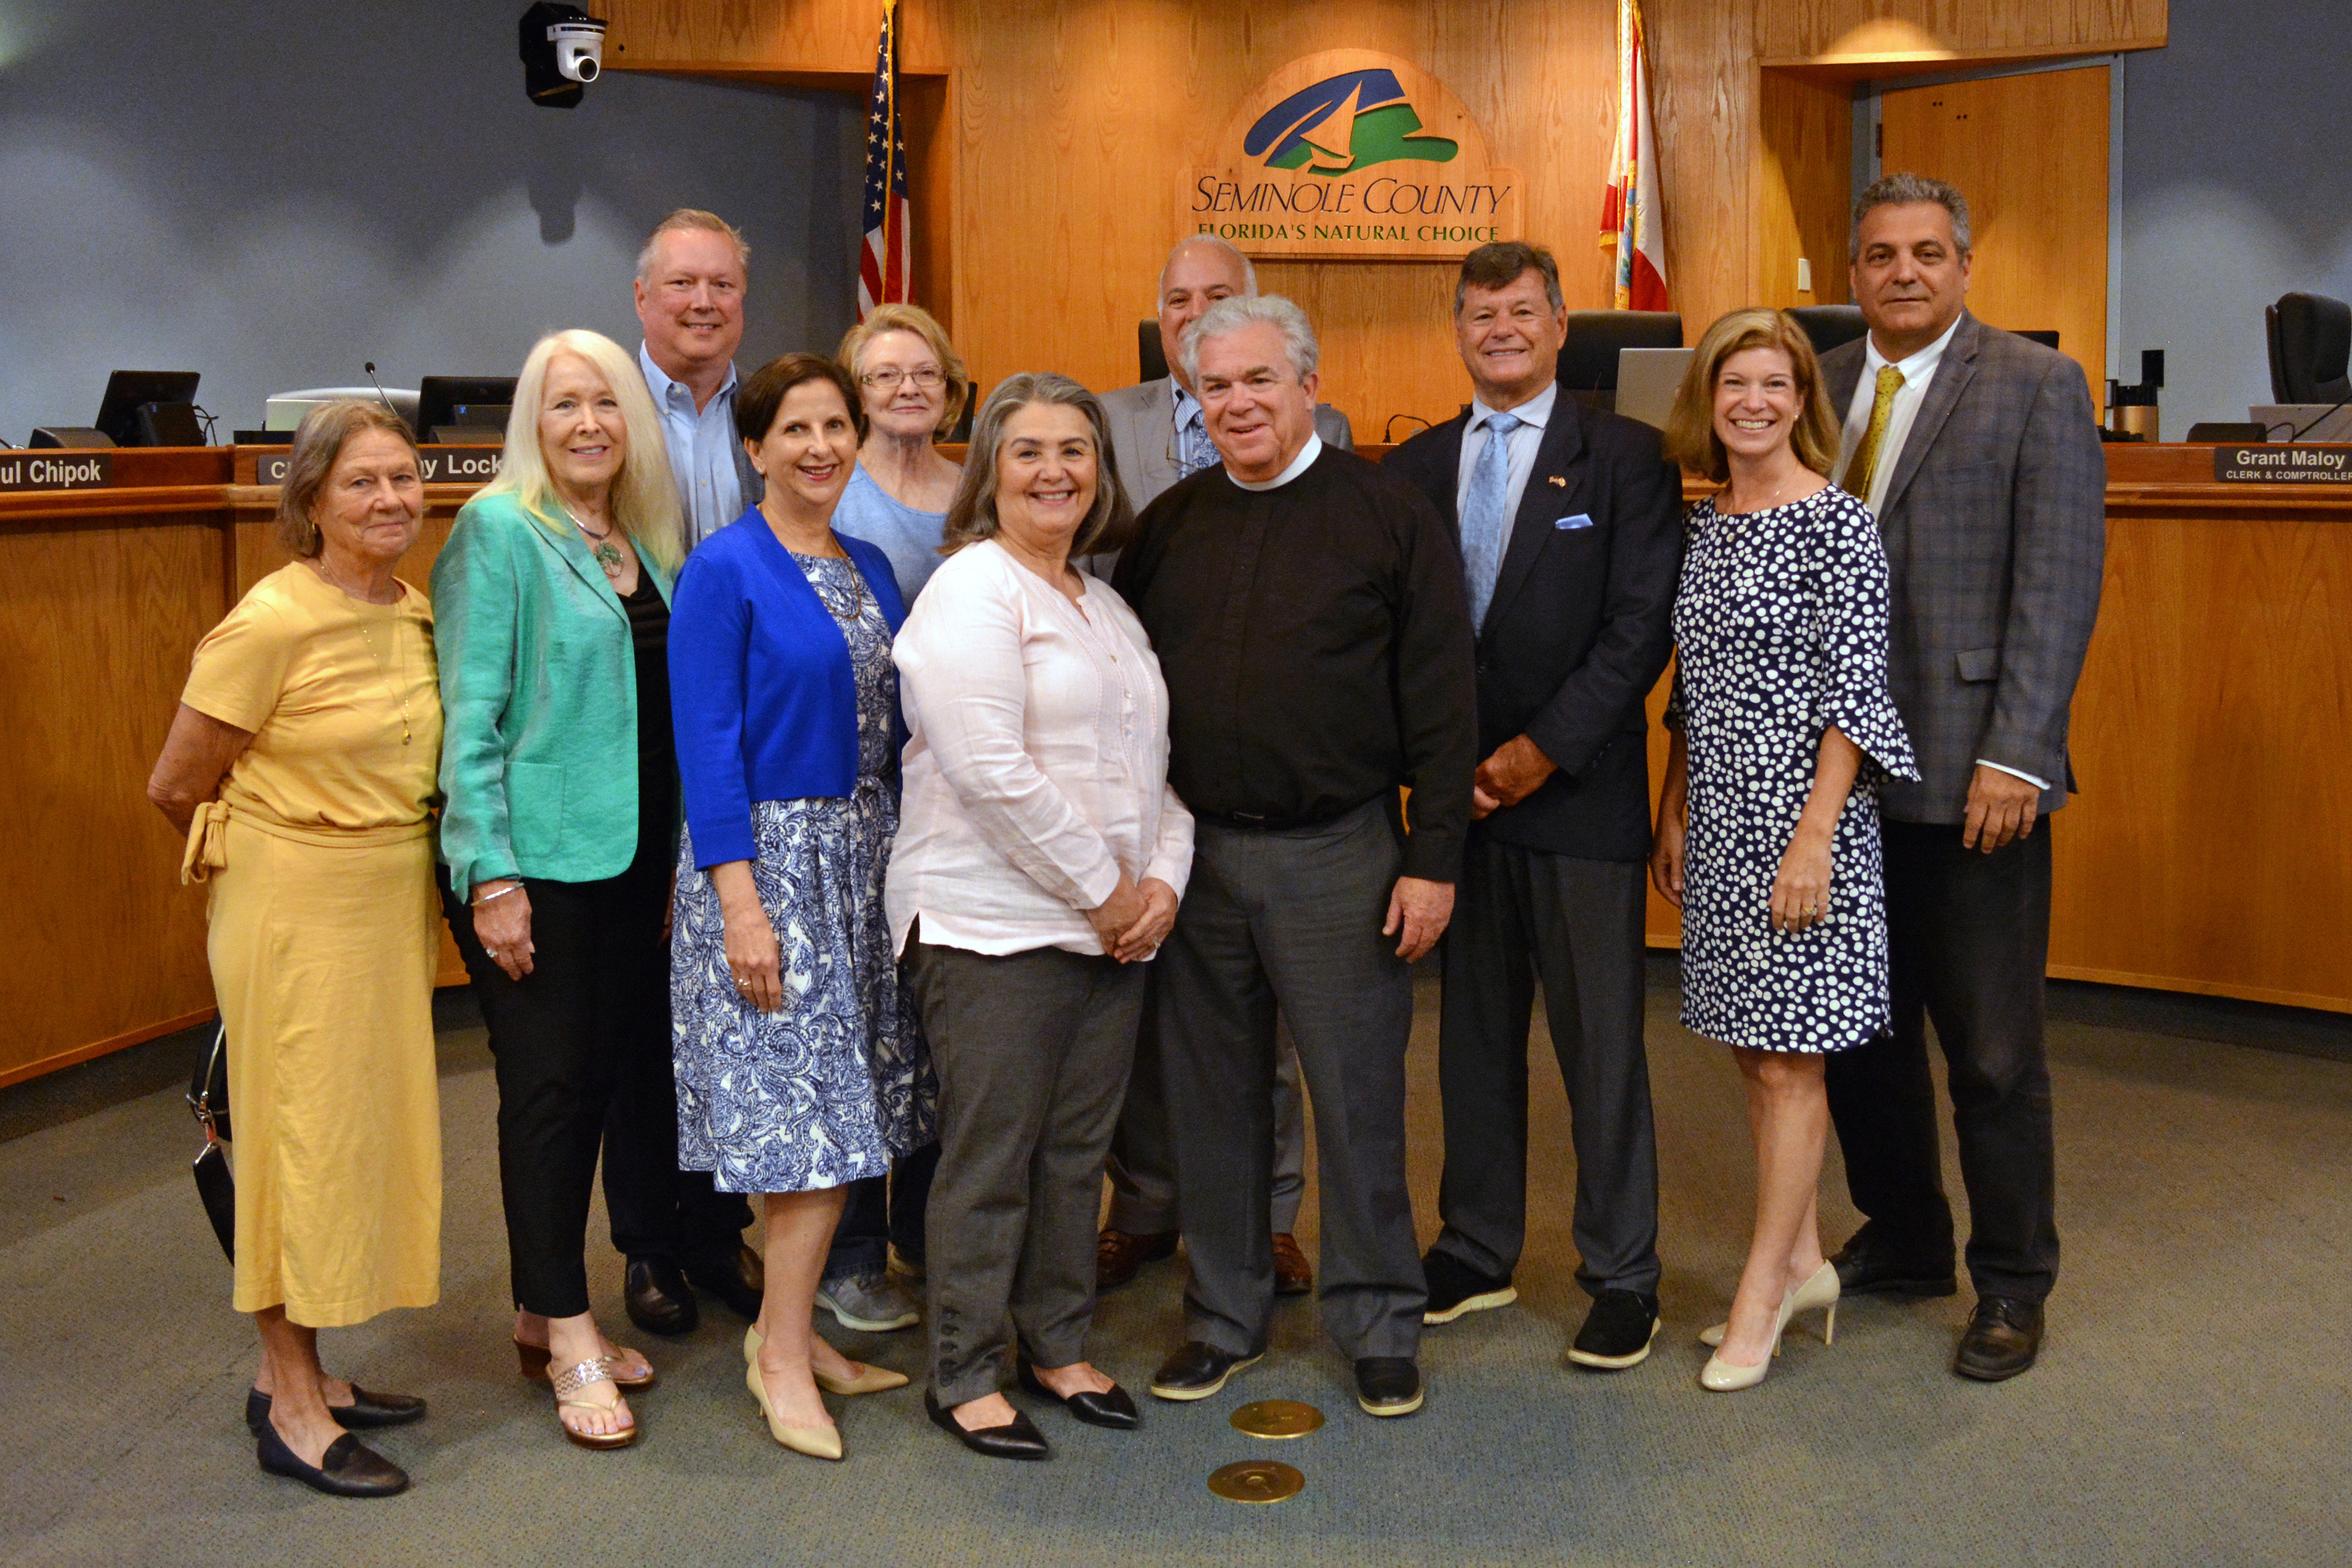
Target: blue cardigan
[[761, 692]]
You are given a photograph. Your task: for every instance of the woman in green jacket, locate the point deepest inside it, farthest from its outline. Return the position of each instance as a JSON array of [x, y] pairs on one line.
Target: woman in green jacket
[[557, 840]]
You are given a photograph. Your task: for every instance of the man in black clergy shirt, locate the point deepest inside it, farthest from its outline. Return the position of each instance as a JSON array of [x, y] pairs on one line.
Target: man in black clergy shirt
[[1307, 612], [1571, 539]]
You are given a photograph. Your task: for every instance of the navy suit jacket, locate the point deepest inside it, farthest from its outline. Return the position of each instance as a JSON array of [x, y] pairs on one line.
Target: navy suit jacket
[[1580, 623]]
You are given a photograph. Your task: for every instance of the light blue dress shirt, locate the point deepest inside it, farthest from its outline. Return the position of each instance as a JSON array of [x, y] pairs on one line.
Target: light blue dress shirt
[[907, 535], [701, 450], [1525, 442]]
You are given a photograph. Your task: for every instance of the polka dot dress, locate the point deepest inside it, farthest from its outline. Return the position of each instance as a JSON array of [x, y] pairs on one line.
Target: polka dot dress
[[1780, 632]]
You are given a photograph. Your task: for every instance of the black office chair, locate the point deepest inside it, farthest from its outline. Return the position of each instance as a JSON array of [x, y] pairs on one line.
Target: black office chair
[[1829, 326], [1588, 358], [1151, 355], [2311, 348], [2046, 336]]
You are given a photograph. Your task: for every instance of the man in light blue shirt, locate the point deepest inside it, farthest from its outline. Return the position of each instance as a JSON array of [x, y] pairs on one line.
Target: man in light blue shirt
[[689, 296]]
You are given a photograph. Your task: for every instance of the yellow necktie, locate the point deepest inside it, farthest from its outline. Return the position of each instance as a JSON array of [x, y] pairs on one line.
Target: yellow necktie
[[1865, 466]]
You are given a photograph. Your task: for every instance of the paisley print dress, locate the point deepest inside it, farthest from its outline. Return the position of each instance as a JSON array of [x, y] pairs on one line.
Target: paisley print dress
[[1780, 633], [839, 1082]]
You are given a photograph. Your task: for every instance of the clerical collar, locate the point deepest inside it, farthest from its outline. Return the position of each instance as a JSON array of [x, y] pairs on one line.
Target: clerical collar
[[1298, 465]]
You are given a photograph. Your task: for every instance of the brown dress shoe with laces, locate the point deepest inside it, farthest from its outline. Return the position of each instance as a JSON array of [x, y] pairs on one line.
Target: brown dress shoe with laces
[[1293, 1275], [1118, 1254]]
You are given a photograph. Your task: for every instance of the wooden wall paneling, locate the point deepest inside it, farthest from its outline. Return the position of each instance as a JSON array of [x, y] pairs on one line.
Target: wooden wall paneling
[[1932, 31], [803, 41], [1704, 106], [1804, 175], [927, 124], [96, 623], [2031, 152]]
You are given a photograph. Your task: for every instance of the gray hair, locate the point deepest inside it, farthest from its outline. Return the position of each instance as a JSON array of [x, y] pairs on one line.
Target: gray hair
[[972, 515], [1905, 190], [319, 442], [1237, 312], [687, 218], [1249, 271]]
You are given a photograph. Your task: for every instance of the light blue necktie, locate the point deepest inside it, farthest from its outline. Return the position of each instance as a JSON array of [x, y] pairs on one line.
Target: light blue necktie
[[1194, 450], [1485, 520]]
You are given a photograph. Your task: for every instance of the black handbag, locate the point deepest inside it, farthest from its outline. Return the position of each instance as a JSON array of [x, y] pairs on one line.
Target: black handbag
[[208, 1102]]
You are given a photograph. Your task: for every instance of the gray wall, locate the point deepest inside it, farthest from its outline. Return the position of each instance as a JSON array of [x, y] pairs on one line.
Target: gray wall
[[2237, 187], [275, 191]]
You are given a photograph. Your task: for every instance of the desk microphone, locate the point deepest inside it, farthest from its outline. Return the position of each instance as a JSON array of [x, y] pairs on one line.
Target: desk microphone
[[388, 408]]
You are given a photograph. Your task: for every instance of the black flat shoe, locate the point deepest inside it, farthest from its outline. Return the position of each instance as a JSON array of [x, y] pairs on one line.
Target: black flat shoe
[[658, 1298], [366, 1410], [1866, 1266], [348, 1468], [2003, 1337], [740, 1281], [1016, 1439], [1111, 1408]]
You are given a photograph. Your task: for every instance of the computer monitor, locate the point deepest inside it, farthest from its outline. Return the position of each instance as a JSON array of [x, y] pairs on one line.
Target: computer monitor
[[132, 392], [476, 405], [1647, 381]]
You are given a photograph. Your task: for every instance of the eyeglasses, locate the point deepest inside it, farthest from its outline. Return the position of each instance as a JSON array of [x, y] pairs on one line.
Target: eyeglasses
[[929, 377]]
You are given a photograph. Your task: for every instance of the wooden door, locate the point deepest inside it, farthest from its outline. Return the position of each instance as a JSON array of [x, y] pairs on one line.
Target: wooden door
[[2030, 152]]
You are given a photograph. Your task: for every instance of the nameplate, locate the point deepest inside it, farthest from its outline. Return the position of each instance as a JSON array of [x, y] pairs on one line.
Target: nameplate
[[78, 469], [2283, 465], [438, 465]]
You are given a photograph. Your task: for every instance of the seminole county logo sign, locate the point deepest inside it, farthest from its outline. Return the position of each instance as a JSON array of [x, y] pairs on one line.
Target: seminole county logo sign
[[1350, 154]]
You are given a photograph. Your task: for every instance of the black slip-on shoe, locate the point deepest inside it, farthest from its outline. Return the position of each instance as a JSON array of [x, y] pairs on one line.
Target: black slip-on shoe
[[348, 1468], [1456, 1288], [1111, 1408], [658, 1298], [2001, 1339], [1016, 1439], [1868, 1265], [1197, 1371], [1617, 1331], [365, 1410], [1388, 1386], [740, 1281]]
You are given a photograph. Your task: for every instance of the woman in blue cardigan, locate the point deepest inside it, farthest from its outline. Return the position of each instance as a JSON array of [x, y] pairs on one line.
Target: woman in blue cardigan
[[799, 1066]]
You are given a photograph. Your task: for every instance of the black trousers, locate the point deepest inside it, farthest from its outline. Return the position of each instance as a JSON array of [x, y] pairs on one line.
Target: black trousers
[[581, 1049], [1969, 943], [1519, 915], [881, 1212]]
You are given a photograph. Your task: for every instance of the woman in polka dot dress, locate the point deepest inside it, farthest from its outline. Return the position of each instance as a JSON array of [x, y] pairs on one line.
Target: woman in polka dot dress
[[1767, 831]]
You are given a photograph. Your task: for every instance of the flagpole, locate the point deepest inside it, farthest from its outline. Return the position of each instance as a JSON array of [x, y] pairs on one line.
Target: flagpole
[[890, 148]]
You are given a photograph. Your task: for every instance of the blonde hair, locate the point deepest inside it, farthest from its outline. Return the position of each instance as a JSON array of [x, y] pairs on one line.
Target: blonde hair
[[645, 503], [1691, 439], [692, 219], [915, 319], [318, 441]]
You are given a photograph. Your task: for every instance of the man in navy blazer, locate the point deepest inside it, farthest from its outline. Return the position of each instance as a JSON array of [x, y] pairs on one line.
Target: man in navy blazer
[[1570, 521]]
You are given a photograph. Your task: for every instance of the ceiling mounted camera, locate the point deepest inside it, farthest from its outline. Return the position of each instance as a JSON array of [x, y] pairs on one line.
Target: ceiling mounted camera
[[562, 50]]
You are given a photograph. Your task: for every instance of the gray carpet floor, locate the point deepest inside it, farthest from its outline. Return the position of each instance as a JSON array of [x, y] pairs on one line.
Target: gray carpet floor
[[2192, 1405]]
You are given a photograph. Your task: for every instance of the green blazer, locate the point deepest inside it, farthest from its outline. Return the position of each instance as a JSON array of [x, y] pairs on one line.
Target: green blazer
[[539, 698]]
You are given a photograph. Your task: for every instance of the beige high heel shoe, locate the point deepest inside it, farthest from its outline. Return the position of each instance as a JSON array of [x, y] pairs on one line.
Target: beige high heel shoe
[[869, 1379], [1819, 1290], [1720, 1376], [816, 1441]]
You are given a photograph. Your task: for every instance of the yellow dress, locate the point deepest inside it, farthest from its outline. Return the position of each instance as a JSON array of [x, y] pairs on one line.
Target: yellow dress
[[324, 940]]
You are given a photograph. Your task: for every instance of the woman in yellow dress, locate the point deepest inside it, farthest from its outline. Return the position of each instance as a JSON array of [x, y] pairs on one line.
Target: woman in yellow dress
[[301, 767]]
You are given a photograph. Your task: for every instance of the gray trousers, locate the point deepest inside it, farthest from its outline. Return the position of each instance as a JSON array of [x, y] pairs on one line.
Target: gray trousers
[[1142, 1165], [1291, 919], [1032, 1050], [1520, 915]]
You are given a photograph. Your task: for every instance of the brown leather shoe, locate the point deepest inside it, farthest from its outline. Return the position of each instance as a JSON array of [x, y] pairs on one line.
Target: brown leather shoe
[[1293, 1275], [1118, 1254]]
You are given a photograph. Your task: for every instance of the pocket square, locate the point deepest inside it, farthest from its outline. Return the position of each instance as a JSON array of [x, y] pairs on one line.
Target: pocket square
[[1577, 519]]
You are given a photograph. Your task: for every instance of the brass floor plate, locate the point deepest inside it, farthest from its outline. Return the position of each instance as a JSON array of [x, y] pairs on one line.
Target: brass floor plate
[[1258, 1480], [1276, 1418]]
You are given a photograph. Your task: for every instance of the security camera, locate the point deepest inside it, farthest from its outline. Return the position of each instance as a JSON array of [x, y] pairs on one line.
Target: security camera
[[562, 49]]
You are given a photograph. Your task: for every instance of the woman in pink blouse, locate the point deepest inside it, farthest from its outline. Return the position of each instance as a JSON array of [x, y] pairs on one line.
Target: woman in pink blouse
[[1039, 859]]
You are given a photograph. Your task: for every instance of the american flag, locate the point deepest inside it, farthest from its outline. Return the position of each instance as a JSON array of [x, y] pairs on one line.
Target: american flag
[[887, 258]]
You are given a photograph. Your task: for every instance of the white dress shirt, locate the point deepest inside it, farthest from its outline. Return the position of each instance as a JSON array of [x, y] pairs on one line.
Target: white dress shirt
[[702, 446], [1036, 763], [1918, 372], [1533, 416]]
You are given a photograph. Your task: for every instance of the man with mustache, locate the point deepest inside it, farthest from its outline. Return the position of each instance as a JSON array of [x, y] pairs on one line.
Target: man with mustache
[[1979, 453], [1306, 608]]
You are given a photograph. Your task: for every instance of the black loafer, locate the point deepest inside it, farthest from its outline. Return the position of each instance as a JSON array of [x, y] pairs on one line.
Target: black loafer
[[348, 1468], [2002, 1338], [1867, 1265], [654, 1290], [365, 1410], [1388, 1386], [740, 1282], [1197, 1371], [1111, 1408], [1617, 1331], [1016, 1439]]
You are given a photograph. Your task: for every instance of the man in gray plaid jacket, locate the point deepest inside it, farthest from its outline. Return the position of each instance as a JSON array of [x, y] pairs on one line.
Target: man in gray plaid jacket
[[1979, 452]]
